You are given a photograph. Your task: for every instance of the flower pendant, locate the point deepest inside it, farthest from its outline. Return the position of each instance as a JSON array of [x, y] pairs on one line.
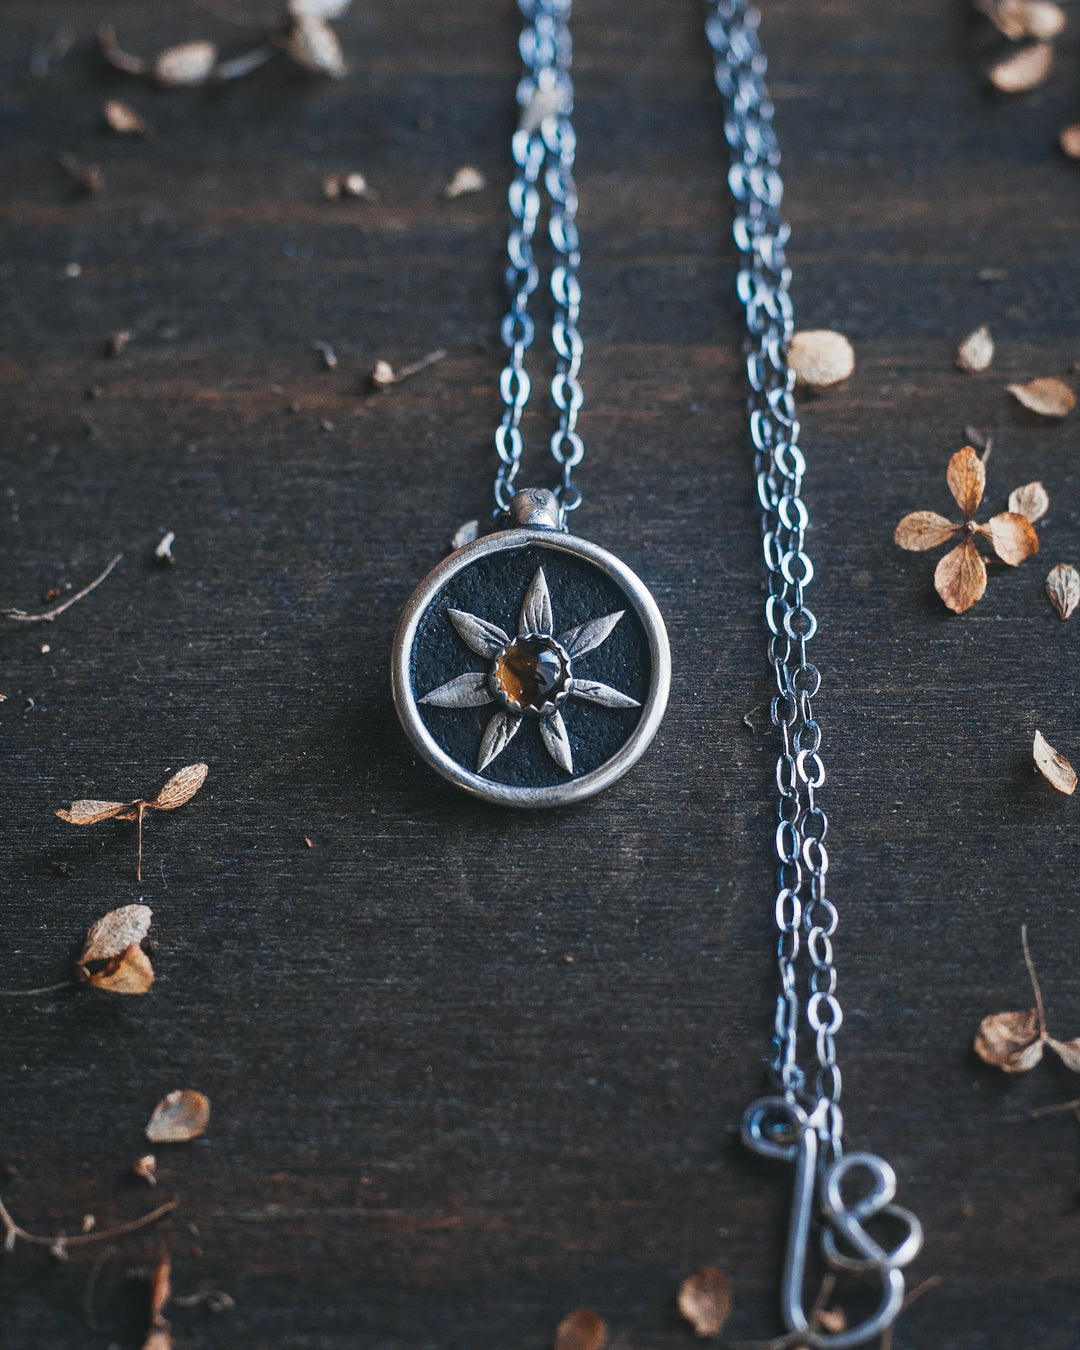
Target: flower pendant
[[531, 667]]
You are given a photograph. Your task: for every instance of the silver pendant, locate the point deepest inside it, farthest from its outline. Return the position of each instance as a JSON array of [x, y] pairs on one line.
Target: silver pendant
[[531, 668]]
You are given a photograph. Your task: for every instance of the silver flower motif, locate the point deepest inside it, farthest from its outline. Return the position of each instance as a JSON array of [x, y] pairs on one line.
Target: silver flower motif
[[530, 675]]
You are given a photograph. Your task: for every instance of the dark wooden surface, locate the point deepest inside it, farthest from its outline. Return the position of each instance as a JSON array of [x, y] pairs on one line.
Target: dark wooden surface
[[430, 1129]]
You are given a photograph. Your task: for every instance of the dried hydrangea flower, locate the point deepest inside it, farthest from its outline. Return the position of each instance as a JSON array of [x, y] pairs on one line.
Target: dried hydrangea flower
[[178, 1117], [1053, 765], [705, 1300], [976, 351], [960, 576], [1063, 588]]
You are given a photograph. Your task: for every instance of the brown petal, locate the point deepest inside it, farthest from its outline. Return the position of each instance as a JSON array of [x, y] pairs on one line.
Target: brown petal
[[1063, 588], [313, 44], [1012, 535], [705, 1300], [1031, 500], [160, 1290], [582, 1329], [180, 1116], [1024, 70], [960, 577], [90, 812], [1024, 18], [922, 530], [180, 788], [1069, 140], [146, 1168], [115, 932], [1053, 766], [1067, 1051], [465, 180], [820, 357], [1048, 397], [966, 476], [976, 351], [188, 64], [128, 973], [1010, 1041], [123, 119]]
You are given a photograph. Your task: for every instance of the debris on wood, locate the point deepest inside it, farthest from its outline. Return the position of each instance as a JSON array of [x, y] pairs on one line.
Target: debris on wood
[[1054, 767], [384, 374], [1032, 500], [313, 45], [116, 56], [976, 351], [239, 66], [1063, 588], [186, 65], [327, 353], [123, 119], [705, 1300], [178, 1117], [1024, 70], [146, 1168], [1049, 397], [465, 180], [117, 343], [1018, 19], [21, 616], [163, 552], [317, 9], [58, 1246], [820, 358], [338, 185], [582, 1329], [464, 534], [1069, 140], [88, 178]]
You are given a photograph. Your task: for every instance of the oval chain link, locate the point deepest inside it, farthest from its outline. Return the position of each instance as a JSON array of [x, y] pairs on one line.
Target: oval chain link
[[805, 918], [543, 147]]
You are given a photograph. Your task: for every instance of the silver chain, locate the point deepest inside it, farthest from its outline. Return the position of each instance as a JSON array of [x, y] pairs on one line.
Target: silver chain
[[543, 148], [805, 917]]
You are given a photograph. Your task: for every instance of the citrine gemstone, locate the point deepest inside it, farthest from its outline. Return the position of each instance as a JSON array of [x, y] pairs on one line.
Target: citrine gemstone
[[531, 672]]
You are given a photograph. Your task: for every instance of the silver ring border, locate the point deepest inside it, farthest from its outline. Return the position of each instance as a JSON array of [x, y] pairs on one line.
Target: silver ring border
[[578, 789]]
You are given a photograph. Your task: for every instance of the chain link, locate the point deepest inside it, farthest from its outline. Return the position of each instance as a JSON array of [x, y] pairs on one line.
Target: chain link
[[805, 918], [543, 147]]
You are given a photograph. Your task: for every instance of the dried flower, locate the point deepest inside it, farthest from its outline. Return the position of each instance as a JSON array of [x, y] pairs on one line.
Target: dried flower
[[313, 44], [123, 119], [1063, 588], [146, 1168], [189, 64], [960, 576], [180, 788], [1054, 767], [705, 1300], [1069, 140], [976, 351], [1014, 1041], [1031, 500], [467, 179], [1024, 70], [178, 1117], [820, 358], [582, 1329], [1048, 397]]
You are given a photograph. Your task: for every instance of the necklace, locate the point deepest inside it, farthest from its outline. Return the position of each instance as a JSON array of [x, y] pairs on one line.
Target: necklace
[[802, 1123], [531, 667]]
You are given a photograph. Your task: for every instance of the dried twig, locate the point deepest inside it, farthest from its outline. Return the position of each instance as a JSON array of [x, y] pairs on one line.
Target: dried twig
[[35, 993], [47, 616], [1034, 980], [1041, 1111], [89, 1291], [58, 1245]]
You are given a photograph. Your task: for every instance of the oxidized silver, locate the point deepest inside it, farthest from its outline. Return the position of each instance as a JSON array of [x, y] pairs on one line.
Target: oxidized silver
[[806, 918], [564, 649]]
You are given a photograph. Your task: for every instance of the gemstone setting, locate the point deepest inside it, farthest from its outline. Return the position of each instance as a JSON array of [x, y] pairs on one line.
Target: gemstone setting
[[531, 675]]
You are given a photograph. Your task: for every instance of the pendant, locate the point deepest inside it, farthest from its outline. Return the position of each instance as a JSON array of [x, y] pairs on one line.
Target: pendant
[[531, 668]]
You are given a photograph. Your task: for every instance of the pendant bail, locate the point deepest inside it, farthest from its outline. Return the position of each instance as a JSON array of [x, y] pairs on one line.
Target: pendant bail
[[536, 509]]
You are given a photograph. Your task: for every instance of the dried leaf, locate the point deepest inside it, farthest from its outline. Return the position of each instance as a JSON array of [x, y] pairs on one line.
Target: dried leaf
[[966, 476], [1010, 1041], [116, 56], [313, 44], [1049, 397], [89, 812], [1023, 70], [1012, 535], [976, 351], [1053, 766], [820, 358], [1067, 1051], [467, 179], [960, 577], [180, 788], [1031, 500], [1069, 140], [123, 119], [922, 530], [146, 1168], [160, 1290], [705, 1300], [582, 1329], [179, 1116], [115, 933], [191, 63], [128, 973], [1063, 588], [317, 9]]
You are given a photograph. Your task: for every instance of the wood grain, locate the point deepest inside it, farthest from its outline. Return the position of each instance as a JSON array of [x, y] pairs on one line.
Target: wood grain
[[429, 1127]]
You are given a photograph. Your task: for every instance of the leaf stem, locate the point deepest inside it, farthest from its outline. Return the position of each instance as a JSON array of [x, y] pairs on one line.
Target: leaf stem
[[47, 616], [1034, 982], [35, 993], [1041, 1111]]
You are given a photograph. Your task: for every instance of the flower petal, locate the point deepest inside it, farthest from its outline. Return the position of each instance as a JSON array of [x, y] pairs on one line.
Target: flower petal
[[465, 691], [500, 731], [595, 692], [577, 641], [1048, 397], [536, 608], [960, 577], [923, 529], [1012, 535], [1031, 500], [967, 480], [556, 741], [485, 639]]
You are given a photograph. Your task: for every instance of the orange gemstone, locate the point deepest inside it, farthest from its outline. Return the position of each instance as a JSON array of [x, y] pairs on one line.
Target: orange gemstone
[[531, 672]]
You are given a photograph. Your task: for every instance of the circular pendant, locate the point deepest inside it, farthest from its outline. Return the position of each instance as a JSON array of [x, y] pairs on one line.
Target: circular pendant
[[531, 668]]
